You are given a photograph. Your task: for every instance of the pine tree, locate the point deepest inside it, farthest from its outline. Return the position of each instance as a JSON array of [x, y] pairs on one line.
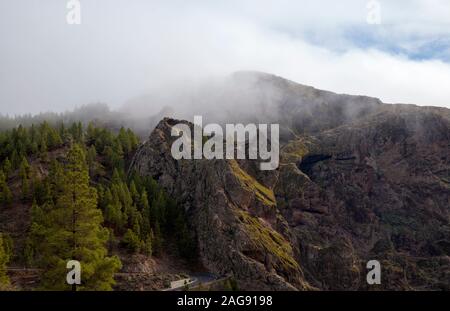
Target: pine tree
[[124, 140], [76, 130], [91, 133], [56, 178], [147, 246], [131, 241], [157, 238], [24, 172], [101, 196], [35, 235], [34, 148], [133, 139], [41, 189], [5, 256], [74, 232], [91, 160], [53, 138], [158, 208], [5, 192], [33, 134], [134, 193], [35, 183], [80, 132], [63, 133], [7, 168], [15, 160], [28, 252], [114, 215], [36, 249], [107, 198], [145, 210], [43, 154], [116, 179], [136, 221]]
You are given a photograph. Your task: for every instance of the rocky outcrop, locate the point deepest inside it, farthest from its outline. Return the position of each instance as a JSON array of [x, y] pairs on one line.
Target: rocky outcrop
[[234, 216], [374, 189], [372, 183]]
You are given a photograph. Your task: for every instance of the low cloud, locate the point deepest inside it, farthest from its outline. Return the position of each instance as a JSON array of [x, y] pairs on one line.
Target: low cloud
[[124, 49]]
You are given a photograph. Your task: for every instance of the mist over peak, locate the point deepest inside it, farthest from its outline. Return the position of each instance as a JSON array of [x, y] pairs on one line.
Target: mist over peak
[[250, 96]]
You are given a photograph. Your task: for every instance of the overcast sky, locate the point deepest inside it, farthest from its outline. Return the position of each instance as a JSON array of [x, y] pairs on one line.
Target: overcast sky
[[126, 48]]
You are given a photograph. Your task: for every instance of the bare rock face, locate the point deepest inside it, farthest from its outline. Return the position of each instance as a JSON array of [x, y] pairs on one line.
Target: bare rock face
[[377, 188], [374, 185]]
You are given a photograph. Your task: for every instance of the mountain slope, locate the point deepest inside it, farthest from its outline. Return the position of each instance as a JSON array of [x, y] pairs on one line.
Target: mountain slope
[[358, 180]]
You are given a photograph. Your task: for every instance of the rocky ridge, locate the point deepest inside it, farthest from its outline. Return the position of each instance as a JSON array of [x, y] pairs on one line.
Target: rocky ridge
[[351, 187]]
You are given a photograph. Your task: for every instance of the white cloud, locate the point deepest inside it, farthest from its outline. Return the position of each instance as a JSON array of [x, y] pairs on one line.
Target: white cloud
[[126, 48]]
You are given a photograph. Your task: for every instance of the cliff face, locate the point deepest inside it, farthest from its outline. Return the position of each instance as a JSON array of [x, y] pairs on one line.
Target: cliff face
[[351, 187], [223, 203], [376, 189]]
